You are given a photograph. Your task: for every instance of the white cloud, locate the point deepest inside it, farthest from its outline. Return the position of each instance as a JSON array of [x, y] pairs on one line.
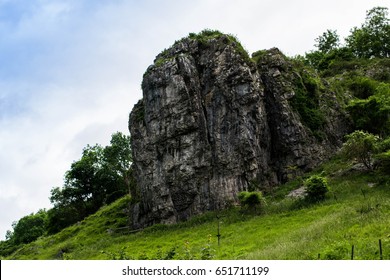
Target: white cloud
[[71, 71]]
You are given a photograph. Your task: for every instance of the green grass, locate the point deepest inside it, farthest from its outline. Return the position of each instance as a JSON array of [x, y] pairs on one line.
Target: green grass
[[356, 212]]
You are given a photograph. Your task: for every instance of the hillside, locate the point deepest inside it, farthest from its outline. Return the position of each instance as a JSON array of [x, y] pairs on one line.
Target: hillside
[[356, 212], [289, 157]]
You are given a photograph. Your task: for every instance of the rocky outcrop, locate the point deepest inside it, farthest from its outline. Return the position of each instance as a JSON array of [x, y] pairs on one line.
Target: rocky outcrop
[[294, 147], [213, 123]]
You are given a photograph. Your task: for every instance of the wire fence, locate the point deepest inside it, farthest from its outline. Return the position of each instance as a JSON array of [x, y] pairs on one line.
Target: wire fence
[[353, 251]]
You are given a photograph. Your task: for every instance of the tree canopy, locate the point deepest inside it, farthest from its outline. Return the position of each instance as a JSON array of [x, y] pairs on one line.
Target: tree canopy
[[100, 176], [28, 228], [361, 146], [328, 41], [372, 39]]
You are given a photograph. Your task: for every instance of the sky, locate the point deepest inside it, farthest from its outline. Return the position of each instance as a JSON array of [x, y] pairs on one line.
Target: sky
[[71, 71]]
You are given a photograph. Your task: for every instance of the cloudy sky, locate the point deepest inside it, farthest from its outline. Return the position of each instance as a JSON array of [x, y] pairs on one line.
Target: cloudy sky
[[70, 71]]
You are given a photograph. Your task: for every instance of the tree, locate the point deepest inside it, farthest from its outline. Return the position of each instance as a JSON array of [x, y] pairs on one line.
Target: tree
[[328, 51], [100, 176], [372, 39], [8, 235], [118, 160], [361, 146], [328, 42], [62, 216], [82, 183], [29, 228]]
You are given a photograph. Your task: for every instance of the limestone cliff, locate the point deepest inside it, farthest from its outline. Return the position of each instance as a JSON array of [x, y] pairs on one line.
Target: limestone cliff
[[213, 122]]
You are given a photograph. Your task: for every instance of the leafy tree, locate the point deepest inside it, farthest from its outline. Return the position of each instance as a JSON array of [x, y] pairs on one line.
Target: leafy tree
[[81, 182], [62, 216], [328, 51], [372, 39], [100, 176], [316, 188], [361, 146], [28, 228], [118, 160], [8, 235], [328, 42]]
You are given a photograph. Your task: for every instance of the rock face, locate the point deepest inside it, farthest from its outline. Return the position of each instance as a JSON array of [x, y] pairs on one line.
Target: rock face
[[213, 123]]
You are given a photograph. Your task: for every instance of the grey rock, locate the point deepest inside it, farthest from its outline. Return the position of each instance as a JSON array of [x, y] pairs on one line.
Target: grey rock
[[297, 193], [212, 123]]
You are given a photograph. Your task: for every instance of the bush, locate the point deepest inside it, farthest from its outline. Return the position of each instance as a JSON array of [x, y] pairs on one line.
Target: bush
[[361, 146], [383, 162], [7, 248], [316, 188], [251, 200], [363, 87], [384, 145], [331, 62], [372, 114]]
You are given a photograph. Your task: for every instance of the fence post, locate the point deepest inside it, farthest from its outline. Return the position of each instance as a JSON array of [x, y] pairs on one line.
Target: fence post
[[353, 251], [380, 250], [218, 232]]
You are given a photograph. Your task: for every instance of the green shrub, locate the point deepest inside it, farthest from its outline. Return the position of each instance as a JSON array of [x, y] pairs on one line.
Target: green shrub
[[316, 188], [382, 73], [258, 55], [383, 162], [251, 200], [363, 87], [384, 145], [332, 62], [370, 114], [361, 146], [205, 35]]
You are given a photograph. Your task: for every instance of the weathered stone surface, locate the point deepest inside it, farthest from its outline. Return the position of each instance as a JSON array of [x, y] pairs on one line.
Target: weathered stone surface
[[211, 124], [293, 146]]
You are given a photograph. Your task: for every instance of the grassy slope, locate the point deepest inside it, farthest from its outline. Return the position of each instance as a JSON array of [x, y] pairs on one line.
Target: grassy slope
[[354, 214]]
